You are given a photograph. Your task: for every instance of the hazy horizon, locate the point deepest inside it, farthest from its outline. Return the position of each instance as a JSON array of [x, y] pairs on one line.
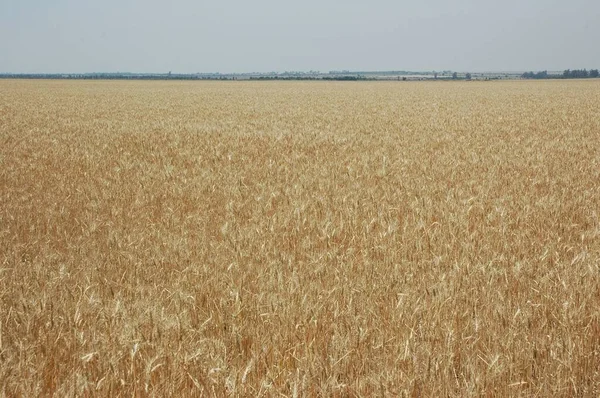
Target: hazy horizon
[[267, 36]]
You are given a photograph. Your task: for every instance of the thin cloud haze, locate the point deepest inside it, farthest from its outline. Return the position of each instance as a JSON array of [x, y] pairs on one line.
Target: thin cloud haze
[[187, 36]]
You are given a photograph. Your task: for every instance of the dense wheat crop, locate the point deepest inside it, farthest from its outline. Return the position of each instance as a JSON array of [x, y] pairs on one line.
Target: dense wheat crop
[[299, 239]]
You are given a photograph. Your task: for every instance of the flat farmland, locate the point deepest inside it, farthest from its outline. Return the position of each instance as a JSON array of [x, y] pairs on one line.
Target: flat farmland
[[299, 238]]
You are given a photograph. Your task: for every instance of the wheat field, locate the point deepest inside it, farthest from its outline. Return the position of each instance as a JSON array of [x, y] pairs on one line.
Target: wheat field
[[299, 238]]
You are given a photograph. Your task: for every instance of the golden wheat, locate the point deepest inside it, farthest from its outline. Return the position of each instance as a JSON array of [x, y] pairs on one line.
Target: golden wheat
[[299, 239]]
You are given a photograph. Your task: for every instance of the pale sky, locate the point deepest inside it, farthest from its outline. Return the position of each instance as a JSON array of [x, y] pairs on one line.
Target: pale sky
[[185, 36]]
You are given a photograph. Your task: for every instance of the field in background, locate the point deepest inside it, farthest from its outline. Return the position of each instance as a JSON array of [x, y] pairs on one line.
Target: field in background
[[258, 238]]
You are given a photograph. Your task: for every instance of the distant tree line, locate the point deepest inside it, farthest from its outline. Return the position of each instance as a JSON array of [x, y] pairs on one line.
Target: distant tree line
[[106, 76], [283, 78], [538, 75], [344, 78], [580, 73], [568, 74], [332, 77], [126, 76]]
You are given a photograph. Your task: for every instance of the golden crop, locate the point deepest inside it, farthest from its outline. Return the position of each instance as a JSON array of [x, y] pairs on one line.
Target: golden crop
[[299, 238]]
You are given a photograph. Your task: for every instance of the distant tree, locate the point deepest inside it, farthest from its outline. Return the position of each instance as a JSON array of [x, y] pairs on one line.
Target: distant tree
[[579, 73], [594, 73], [527, 75], [435, 75], [538, 75], [468, 76], [455, 75]]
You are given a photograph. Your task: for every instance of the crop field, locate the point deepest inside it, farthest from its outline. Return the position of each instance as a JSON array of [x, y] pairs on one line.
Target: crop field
[[300, 238]]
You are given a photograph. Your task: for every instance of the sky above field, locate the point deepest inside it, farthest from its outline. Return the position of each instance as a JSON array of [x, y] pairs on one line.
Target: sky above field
[[185, 36]]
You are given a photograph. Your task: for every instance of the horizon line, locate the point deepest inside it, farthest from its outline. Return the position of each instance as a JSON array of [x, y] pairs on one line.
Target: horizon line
[[309, 72]]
